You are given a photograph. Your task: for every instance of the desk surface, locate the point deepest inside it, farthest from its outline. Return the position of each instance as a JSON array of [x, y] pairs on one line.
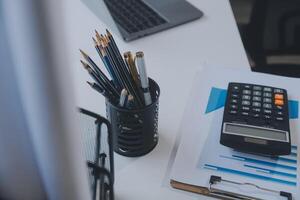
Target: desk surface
[[172, 57]]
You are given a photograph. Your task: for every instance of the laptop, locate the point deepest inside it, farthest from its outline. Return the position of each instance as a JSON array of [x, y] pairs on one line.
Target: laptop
[[134, 19]]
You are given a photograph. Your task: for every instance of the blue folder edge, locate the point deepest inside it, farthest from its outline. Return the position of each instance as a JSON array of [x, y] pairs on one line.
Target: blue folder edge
[[217, 100]]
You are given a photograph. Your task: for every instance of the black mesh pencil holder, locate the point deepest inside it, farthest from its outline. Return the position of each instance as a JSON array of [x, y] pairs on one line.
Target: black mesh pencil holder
[[135, 130]]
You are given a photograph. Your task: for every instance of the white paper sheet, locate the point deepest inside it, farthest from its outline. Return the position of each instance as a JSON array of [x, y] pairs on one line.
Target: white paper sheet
[[201, 133]]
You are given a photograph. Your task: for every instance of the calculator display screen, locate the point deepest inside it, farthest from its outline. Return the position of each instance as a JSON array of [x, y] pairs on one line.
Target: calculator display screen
[[252, 131]]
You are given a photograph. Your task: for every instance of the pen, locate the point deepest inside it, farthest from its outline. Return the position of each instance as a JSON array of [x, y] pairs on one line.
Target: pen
[[130, 102], [132, 68], [123, 97], [143, 76]]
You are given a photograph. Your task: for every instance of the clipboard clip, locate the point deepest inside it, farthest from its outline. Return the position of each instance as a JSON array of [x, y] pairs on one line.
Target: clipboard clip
[[214, 180]]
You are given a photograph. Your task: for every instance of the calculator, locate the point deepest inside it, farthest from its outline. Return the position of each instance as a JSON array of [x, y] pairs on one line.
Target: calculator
[[256, 119]]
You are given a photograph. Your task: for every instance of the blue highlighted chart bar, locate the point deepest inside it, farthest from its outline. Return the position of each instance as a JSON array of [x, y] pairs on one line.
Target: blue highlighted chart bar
[[262, 162], [288, 160], [238, 172], [293, 154], [270, 171]]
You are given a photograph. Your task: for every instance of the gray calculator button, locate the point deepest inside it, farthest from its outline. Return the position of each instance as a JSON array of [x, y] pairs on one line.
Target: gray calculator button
[[245, 108], [255, 98], [279, 107], [256, 104], [234, 96], [267, 105], [267, 89], [245, 113], [233, 112], [247, 87], [246, 97], [246, 91], [279, 113], [267, 111], [235, 89], [256, 115], [267, 100], [234, 101], [257, 87], [267, 94], [279, 118], [256, 110], [233, 107], [267, 116], [278, 90], [246, 103], [256, 93]]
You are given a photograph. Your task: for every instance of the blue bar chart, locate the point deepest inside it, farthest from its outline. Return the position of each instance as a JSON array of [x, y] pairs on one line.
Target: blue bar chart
[[282, 170]]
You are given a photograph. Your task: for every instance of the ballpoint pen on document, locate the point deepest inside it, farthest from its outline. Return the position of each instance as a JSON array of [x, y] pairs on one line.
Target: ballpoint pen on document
[[123, 98], [143, 76]]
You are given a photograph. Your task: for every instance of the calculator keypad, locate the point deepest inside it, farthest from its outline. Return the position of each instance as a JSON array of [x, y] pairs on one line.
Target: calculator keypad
[[257, 104], [256, 119]]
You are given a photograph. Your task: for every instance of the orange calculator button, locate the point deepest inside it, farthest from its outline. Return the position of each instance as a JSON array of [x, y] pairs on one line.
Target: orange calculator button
[[279, 102], [278, 96]]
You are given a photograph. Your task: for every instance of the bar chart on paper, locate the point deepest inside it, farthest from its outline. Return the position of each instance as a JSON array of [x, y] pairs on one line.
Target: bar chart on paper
[[282, 170], [272, 172]]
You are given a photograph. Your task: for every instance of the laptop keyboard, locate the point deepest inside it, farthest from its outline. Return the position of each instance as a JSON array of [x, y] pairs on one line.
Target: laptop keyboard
[[133, 15]]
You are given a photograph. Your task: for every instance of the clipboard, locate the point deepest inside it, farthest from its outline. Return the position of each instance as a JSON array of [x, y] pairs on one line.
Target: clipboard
[[200, 157], [222, 194]]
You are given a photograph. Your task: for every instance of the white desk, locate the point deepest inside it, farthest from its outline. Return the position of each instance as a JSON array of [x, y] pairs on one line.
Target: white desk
[[172, 58]]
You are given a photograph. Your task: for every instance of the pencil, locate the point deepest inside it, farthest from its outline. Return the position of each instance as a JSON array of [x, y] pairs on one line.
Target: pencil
[[127, 84], [105, 61], [97, 47], [113, 63], [120, 66], [100, 73], [101, 83], [99, 89], [123, 70]]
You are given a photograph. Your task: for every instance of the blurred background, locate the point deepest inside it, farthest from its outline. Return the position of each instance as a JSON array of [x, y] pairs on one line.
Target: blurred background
[[270, 31]]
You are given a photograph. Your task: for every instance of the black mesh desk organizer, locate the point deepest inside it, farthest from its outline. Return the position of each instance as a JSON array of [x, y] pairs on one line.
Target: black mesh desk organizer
[[135, 131], [97, 139]]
